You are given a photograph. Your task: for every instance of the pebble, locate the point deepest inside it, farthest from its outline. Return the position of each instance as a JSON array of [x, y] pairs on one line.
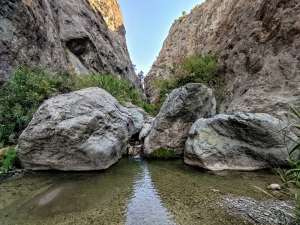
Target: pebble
[[274, 187]]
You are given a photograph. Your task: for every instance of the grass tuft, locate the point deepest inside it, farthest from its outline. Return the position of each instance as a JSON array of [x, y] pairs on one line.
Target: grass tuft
[[161, 154]]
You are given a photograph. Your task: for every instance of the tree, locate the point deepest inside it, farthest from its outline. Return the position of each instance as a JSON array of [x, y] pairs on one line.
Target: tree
[[141, 76], [134, 66]]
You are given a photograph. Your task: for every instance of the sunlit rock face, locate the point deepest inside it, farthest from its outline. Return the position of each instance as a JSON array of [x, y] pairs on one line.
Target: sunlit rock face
[[87, 36], [257, 43], [111, 12]]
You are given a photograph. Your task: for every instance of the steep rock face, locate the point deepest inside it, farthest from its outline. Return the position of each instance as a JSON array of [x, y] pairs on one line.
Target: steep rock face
[[111, 12], [258, 44], [82, 130], [63, 34]]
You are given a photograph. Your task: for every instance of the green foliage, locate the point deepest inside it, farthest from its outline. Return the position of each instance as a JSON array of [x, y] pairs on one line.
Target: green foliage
[[66, 50], [193, 69], [9, 160], [162, 154], [19, 100], [292, 175], [21, 96]]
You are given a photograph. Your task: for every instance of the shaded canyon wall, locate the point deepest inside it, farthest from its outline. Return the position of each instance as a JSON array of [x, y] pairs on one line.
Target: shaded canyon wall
[[85, 35]]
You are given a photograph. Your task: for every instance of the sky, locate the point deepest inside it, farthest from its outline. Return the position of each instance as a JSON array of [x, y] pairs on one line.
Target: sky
[[147, 25]]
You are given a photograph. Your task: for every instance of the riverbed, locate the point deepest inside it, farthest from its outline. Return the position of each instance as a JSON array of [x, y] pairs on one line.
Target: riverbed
[[133, 191]]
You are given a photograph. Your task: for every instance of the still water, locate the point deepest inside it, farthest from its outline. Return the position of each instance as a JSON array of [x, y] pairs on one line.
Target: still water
[[134, 191]]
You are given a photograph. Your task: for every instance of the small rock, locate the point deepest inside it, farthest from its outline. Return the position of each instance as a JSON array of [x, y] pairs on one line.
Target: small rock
[[274, 187], [133, 151], [145, 130]]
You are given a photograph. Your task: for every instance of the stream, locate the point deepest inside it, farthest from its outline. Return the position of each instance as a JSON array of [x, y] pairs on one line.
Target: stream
[[133, 191]]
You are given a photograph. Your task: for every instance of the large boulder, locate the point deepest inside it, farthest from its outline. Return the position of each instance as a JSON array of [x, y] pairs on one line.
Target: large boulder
[[139, 116], [242, 142], [80, 131], [181, 109]]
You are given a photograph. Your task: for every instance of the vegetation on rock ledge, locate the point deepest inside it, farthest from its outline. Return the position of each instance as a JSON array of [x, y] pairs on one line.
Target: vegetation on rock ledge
[[193, 69], [162, 154]]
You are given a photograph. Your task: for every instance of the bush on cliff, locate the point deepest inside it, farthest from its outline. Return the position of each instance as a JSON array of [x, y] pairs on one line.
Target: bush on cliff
[[193, 69], [21, 96]]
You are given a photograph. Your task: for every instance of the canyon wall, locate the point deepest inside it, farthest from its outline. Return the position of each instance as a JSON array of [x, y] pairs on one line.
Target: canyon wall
[[84, 35], [258, 43]]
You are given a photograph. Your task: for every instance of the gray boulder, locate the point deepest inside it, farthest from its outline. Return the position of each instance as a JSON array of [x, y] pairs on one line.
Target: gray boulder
[[180, 110], [139, 116], [241, 142], [145, 130], [80, 131]]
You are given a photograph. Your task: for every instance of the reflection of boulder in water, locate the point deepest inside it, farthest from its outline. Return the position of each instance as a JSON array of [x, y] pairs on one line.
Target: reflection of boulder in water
[[101, 196], [50, 196]]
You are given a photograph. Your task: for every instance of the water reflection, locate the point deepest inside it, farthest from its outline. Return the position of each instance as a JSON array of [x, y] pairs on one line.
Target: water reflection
[[145, 206], [49, 197], [133, 191]]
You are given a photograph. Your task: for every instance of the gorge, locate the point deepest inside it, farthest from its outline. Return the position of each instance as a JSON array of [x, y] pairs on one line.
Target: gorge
[[86, 142]]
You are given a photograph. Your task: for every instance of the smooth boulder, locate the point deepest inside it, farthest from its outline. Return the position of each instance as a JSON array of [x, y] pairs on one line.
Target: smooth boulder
[[139, 116], [145, 130], [79, 131], [237, 142], [180, 110]]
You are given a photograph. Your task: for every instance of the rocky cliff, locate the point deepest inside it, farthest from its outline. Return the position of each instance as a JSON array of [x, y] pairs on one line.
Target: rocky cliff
[[86, 35], [111, 12], [258, 43]]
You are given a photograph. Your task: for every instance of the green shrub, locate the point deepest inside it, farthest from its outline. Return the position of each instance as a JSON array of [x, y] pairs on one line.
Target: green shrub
[[18, 102], [9, 160], [292, 175], [162, 154], [21, 96], [66, 51], [193, 69]]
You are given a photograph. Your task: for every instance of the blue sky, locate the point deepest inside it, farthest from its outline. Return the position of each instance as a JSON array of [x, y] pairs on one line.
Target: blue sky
[[147, 25]]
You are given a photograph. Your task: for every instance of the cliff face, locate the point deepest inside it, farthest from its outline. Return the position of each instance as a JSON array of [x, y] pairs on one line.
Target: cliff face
[[258, 43], [64, 34], [111, 12]]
